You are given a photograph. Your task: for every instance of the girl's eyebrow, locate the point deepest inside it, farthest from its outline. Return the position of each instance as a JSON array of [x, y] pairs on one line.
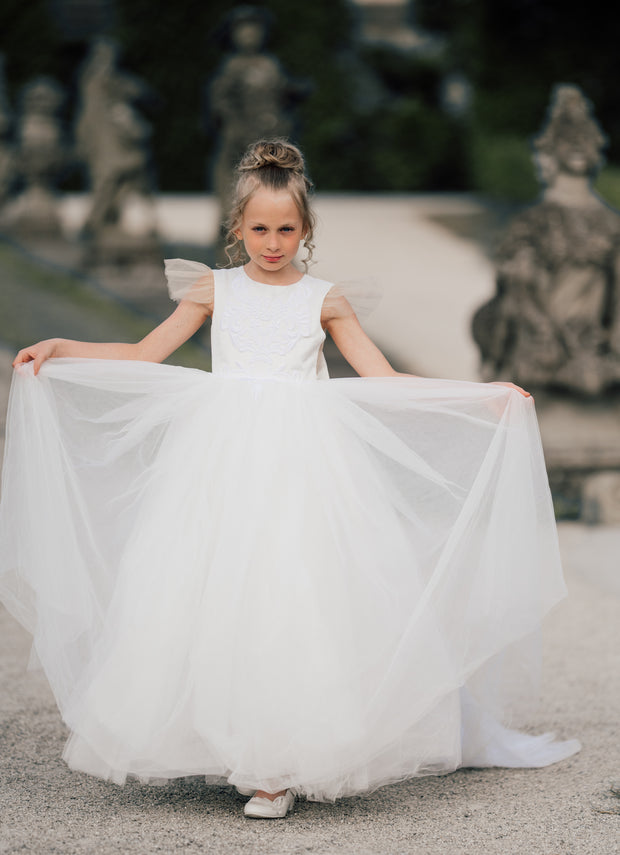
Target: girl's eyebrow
[[258, 223]]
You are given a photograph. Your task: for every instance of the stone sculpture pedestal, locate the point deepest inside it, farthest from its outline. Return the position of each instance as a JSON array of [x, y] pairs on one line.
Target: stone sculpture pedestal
[[113, 246], [33, 214], [581, 442]]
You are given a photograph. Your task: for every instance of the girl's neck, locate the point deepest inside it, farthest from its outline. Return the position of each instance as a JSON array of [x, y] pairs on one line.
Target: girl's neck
[[288, 275]]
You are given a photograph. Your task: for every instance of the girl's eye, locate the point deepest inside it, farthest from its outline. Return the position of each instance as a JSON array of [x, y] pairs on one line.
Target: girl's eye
[[283, 229]]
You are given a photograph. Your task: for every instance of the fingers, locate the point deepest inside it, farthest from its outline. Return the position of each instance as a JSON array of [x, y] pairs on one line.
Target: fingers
[[519, 389], [36, 354], [40, 355], [523, 392], [23, 356]]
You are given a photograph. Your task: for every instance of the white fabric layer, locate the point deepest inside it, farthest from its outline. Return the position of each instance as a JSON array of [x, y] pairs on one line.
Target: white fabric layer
[[276, 580]]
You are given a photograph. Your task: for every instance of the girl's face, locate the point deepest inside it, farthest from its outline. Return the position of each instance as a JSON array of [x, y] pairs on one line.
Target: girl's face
[[271, 230]]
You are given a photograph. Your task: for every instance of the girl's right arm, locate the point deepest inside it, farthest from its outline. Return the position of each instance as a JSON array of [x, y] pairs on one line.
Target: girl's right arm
[[187, 319]]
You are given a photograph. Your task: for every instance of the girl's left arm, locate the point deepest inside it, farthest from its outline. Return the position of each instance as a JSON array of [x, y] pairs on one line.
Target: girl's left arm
[[360, 351]]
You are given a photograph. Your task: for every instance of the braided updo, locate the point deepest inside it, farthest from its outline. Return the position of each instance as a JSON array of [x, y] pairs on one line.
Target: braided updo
[[276, 165]]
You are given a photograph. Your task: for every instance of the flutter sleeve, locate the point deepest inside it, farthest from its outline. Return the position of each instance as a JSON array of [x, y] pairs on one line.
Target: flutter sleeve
[[360, 296], [189, 280]]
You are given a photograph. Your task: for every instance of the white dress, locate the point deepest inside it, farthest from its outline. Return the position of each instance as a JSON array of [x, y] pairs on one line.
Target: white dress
[[266, 576]]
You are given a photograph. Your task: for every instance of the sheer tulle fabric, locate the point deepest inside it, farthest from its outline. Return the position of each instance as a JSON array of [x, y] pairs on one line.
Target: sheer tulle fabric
[[326, 585], [189, 279], [192, 280]]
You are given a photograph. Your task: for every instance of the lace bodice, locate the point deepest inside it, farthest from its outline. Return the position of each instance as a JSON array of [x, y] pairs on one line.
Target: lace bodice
[[262, 330]]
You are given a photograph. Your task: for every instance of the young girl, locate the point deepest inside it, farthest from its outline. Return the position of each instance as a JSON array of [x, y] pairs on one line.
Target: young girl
[[302, 586]]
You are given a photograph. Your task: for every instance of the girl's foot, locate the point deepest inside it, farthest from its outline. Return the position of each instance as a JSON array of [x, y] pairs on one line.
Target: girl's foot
[[263, 794], [269, 805]]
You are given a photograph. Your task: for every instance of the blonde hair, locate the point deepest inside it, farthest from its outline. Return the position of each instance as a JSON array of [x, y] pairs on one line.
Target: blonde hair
[[276, 165]]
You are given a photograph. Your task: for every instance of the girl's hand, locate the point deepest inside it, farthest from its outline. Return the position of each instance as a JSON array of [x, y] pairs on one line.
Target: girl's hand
[[37, 353], [511, 386]]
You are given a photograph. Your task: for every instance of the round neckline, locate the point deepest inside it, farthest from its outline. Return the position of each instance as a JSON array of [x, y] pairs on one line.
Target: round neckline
[[268, 284]]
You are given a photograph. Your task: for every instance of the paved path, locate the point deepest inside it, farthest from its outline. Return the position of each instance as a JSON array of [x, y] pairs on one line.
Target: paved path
[[567, 809], [432, 279]]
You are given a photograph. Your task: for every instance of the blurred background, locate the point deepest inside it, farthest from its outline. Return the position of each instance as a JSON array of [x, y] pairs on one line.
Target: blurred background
[[404, 96], [466, 158]]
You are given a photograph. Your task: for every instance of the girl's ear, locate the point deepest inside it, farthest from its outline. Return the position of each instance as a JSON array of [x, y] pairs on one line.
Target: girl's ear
[[237, 234]]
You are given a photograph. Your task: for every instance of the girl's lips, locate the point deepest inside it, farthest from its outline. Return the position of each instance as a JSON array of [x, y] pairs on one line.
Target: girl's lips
[[272, 257]]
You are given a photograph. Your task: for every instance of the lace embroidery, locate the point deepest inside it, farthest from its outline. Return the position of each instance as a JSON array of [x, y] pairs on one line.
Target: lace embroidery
[[266, 323], [268, 332]]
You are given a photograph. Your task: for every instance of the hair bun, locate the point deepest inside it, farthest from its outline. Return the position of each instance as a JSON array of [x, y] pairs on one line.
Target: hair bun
[[272, 153]]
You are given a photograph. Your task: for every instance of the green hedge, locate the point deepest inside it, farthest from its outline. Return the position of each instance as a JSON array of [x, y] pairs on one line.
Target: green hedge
[[608, 186], [501, 167]]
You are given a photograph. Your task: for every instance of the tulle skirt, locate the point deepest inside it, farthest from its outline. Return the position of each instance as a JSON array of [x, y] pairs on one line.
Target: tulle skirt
[[325, 585]]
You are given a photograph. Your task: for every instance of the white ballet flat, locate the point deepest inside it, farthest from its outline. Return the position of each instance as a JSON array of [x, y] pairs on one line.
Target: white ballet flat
[[262, 808], [244, 791]]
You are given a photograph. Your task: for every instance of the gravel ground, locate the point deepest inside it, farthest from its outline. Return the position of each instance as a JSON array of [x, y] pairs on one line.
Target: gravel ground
[[566, 809]]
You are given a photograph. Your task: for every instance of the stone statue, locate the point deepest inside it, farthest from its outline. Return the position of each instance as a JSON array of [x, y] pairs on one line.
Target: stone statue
[[40, 158], [554, 322], [112, 140], [251, 96]]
